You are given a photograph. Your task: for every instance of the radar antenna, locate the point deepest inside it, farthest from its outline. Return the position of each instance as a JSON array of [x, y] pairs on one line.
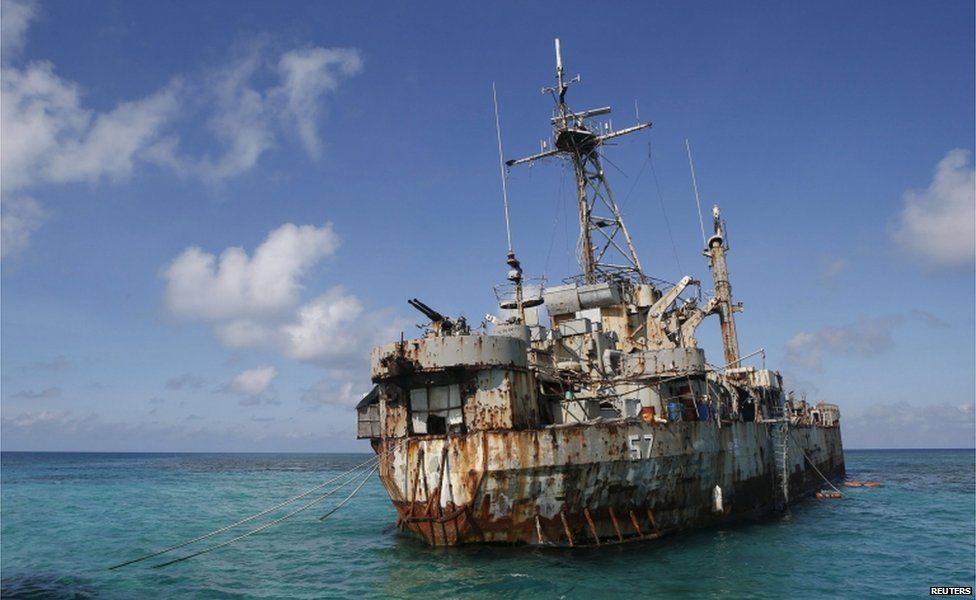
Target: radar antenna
[[605, 248]]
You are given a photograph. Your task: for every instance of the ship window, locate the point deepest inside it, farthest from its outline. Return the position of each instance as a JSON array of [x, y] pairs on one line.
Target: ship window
[[436, 409]]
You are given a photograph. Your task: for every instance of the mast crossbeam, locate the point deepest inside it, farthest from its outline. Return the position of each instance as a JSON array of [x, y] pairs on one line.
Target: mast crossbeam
[[577, 139]]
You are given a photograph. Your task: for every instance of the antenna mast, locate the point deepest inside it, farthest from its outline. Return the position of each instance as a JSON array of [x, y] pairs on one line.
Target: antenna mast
[[605, 248], [694, 184], [515, 268], [501, 167], [715, 249]]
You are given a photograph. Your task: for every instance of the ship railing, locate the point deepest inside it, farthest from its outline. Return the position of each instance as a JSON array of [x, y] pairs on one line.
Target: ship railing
[[532, 290]]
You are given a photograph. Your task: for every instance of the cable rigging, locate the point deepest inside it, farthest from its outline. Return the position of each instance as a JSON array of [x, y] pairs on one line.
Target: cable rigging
[[298, 510], [660, 196], [339, 482]]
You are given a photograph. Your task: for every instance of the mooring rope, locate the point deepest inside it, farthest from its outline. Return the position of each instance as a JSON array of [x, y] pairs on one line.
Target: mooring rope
[[372, 462], [349, 497], [800, 448], [269, 524]]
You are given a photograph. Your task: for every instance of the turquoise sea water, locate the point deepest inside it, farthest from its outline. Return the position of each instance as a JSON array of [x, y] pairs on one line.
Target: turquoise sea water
[[66, 517]]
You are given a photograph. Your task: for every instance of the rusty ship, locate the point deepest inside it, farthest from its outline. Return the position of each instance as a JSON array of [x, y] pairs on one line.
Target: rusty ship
[[587, 413]]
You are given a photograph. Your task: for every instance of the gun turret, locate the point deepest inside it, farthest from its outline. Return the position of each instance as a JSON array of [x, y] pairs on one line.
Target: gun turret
[[439, 322], [428, 312]]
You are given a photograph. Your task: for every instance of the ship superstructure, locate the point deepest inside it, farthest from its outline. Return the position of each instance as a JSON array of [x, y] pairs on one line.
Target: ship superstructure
[[601, 423]]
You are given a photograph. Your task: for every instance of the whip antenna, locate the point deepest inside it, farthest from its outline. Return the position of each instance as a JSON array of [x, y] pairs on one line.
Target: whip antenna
[[694, 183], [515, 268], [501, 167]]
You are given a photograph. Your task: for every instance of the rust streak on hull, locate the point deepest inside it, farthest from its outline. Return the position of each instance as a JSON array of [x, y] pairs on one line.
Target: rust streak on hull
[[569, 535], [633, 520], [616, 526], [516, 495], [589, 520]]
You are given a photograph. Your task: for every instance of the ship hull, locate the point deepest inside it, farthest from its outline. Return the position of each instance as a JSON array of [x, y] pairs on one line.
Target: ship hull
[[598, 483]]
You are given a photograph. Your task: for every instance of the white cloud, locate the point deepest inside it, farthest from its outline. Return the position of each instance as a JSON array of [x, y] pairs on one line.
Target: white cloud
[[336, 393], [329, 330], [30, 419], [15, 16], [938, 225], [252, 382], [114, 140], [50, 137], [306, 76], [241, 122], [325, 327], [911, 425], [38, 110], [866, 337], [255, 302], [235, 286], [249, 117], [20, 217]]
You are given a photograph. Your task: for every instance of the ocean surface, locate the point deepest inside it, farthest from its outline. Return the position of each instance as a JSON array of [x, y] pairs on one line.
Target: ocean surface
[[67, 517]]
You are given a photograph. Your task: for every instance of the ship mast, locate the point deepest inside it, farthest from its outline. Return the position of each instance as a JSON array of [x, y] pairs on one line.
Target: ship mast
[[605, 248], [717, 247]]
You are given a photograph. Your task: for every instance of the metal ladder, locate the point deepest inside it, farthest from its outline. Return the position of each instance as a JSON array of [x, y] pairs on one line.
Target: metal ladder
[[781, 441]]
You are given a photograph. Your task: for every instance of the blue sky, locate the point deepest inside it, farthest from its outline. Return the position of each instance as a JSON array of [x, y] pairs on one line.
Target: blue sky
[[212, 210]]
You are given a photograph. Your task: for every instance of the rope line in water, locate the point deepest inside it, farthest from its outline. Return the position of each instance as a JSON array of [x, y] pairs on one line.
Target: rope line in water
[[269, 524], [242, 521], [800, 448], [374, 462], [349, 497]]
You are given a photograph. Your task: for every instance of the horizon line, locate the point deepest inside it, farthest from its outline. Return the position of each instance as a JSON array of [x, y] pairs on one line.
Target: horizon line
[[973, 449]]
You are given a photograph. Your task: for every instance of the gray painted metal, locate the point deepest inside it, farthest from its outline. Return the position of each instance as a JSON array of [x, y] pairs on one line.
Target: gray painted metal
[[606, 425], [454, 351], [664, 362]]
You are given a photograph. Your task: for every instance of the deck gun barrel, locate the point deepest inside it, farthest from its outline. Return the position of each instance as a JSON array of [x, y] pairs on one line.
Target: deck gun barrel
[[430, 313]]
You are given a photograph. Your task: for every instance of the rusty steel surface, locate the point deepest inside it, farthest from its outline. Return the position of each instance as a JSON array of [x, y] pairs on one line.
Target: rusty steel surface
[[391, 360], [589, 484], [605, 425]]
